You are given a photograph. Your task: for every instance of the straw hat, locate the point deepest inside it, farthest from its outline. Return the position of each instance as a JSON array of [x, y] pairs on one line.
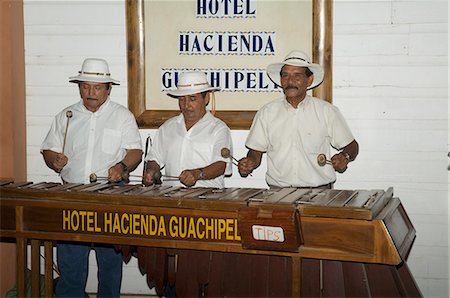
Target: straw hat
[[94, 70], [192, 82], [296, 58]]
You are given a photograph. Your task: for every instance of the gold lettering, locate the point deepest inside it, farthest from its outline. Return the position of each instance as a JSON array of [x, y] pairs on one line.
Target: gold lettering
[[173, 227], [135, 228], [116, 228], [82, 220], [97, 228], [125, 223], [229, 229], [107, 222], [89, 221], [191, 230], [182, 227], [209, 228], [74, 219], [66, 219], [236, 230], [152, 226], [221, 228], [145, 221], [162, 227], [201, 230]]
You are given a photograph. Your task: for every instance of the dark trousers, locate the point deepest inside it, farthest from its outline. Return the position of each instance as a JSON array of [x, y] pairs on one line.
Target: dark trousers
[[73, 261]]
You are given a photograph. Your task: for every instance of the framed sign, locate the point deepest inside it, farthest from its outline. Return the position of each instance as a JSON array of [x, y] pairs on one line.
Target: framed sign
[[152, 38]]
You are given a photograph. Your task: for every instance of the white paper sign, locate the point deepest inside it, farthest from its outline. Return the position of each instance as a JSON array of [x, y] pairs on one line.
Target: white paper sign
[[268, 233]]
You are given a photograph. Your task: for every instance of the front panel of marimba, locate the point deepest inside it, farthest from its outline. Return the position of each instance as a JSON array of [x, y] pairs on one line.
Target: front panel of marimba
[[225, 242], [335, 224]]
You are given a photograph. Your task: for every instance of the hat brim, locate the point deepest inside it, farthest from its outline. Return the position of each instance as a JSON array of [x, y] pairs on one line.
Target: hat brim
[[95, 79], [273, 71], [189, 91]]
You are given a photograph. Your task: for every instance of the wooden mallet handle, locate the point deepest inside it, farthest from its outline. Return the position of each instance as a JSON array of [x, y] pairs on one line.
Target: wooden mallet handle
[[68, 115]]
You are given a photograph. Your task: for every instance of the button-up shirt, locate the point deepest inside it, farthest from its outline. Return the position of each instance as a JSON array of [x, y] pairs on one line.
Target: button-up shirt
[[293, 137], [178, 149], [95, 141]]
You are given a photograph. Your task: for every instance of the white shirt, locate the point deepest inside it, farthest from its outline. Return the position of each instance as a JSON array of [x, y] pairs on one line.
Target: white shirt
[[293, 138], [95, 141], [178, 149]]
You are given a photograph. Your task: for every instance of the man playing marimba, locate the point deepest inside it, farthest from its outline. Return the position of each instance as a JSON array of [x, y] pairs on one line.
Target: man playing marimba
[[102, 138], [295, 129], [189, 145]]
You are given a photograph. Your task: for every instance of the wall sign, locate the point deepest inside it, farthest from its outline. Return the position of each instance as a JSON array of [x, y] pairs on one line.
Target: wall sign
[[232, 41]]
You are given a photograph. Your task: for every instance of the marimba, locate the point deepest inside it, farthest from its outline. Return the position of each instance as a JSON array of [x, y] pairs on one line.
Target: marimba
[[225, 242]]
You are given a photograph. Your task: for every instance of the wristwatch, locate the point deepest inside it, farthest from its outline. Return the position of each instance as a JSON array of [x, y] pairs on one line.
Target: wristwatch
[[347, 156], [124, 166], [202, 175]]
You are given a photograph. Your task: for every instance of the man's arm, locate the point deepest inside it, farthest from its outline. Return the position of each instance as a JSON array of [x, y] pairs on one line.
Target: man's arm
[[54, 160], [348, 154], [121, 170], [190, 177], [247, 164], [352, 150]]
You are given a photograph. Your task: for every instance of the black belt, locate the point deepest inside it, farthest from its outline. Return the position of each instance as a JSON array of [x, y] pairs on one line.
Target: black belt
[[324, 186]]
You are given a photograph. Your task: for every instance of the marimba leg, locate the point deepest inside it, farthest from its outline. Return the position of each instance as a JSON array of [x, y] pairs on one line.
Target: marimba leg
[[35, 268], [21, 247], [296, 276], [48, 253]]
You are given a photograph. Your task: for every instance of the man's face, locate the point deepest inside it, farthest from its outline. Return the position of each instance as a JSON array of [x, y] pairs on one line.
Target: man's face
[[94, 94], [294, 81], [193, 106]]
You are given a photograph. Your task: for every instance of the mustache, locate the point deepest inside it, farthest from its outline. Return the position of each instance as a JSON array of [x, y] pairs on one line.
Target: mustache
[[290, 87]]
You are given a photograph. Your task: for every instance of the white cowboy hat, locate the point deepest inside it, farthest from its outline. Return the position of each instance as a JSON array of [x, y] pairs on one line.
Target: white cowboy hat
[[296, 58], [94, 70], [191, 82]]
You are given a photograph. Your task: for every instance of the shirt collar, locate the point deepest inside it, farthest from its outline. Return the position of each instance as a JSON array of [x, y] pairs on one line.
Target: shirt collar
[[205, 117], [301, 105]]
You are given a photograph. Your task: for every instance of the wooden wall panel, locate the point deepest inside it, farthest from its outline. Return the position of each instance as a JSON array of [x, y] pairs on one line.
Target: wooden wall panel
[[12, 116]]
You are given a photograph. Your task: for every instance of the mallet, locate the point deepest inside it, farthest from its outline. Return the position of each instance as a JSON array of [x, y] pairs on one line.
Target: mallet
[[157, 176], [225, 152], [69, 115], [94, 178], [322, 160]]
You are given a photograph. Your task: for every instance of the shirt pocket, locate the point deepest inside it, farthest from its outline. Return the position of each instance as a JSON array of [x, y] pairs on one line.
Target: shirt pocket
[[203, 152], [315, 142], [111, 140]]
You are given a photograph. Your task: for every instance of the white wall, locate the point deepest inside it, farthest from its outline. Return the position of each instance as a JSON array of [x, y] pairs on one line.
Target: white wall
[[390, 82]]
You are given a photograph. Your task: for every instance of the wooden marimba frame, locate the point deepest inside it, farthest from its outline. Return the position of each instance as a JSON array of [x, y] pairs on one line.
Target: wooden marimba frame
[[316, 237]]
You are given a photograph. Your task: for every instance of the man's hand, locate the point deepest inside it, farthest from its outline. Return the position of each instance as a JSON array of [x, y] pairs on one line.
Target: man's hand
[[59, 162], [152, 173], [151, 176], [339, 162], [117, 173], [189, 177], [246, 165]]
